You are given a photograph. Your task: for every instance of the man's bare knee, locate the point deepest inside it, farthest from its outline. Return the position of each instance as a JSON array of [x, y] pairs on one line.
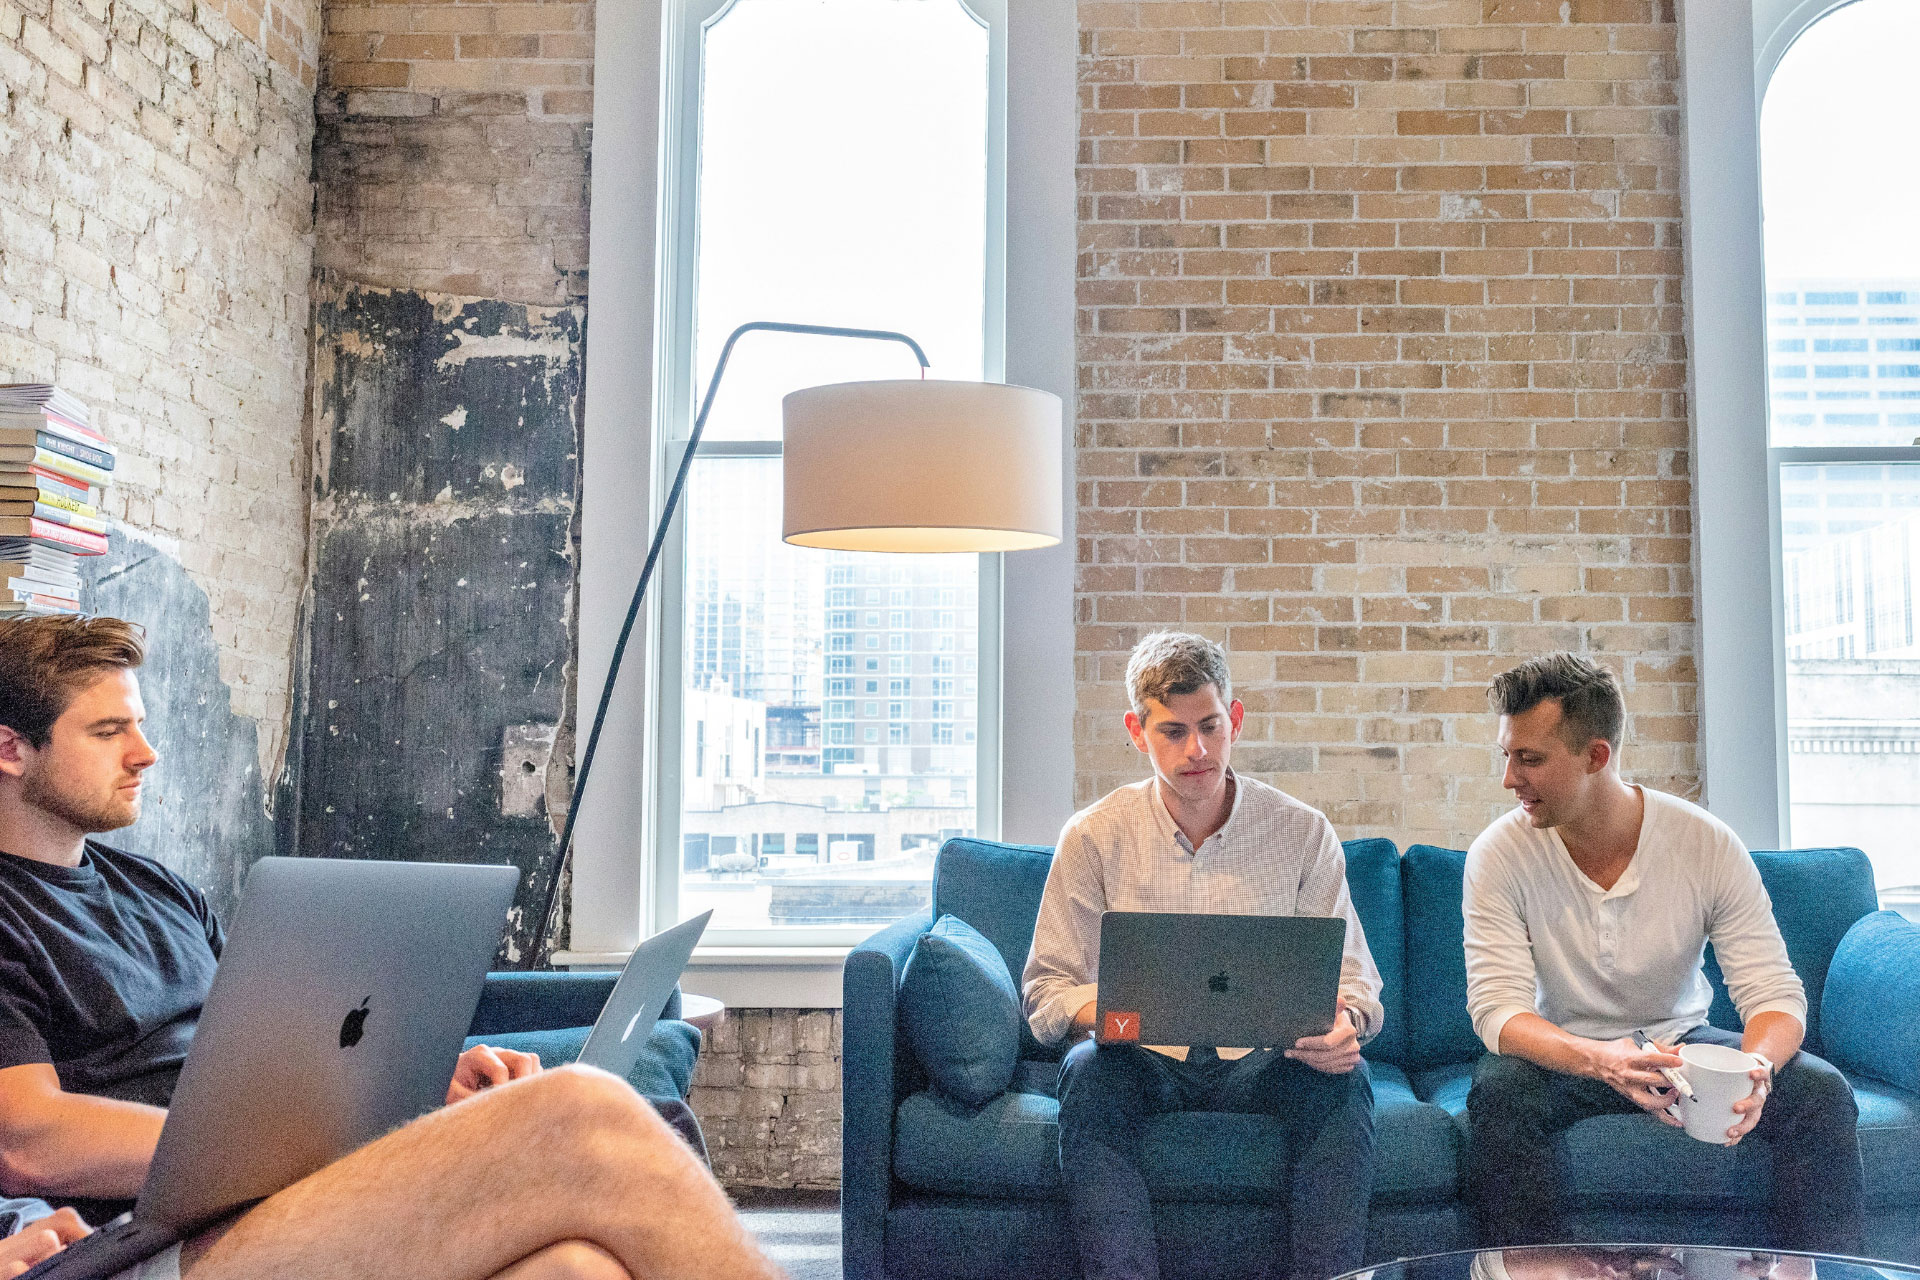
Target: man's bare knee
[[568, 1260], [587, 1096]]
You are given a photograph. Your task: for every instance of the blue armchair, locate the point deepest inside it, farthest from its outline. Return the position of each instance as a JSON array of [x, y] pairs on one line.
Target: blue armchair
[[550, 1013]]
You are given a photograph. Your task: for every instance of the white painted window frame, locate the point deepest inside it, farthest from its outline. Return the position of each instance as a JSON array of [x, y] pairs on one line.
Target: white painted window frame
[[615, 888], [680, 217], [1729, 50]]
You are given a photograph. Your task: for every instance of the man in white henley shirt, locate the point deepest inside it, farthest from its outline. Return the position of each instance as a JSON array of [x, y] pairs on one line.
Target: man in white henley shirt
[[1196, 837], [1588, 909]]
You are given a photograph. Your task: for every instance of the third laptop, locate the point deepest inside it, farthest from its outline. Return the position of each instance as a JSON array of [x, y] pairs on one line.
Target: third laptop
[[1249, 982], [626, 1020]]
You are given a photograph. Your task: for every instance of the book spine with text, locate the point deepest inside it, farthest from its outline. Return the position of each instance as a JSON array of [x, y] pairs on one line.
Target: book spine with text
[[76, 540], [92, 523], [61, 499], [101, 459], [73, 469]]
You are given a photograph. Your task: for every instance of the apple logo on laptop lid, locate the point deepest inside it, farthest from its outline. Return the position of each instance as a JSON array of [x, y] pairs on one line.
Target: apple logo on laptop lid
[[354, 1025]]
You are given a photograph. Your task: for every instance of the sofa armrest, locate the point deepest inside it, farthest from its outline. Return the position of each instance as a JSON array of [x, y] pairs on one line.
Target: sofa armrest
[[1870, 1008], [869, 1084], [547, 1001]]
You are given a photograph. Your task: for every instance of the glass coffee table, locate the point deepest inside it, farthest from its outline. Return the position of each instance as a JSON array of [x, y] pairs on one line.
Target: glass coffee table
[[1632, 1262]]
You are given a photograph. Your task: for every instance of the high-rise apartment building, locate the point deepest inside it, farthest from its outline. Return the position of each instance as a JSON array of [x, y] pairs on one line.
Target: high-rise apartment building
[[1844, 362]]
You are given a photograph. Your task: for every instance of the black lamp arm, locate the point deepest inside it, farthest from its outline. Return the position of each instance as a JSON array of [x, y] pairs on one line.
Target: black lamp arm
[[531, 956]]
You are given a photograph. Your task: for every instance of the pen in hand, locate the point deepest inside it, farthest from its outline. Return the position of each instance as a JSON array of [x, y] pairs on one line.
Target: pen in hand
[[1672, 1077]]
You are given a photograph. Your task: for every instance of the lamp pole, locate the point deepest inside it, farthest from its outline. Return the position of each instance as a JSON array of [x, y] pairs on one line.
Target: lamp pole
[[538, 942]]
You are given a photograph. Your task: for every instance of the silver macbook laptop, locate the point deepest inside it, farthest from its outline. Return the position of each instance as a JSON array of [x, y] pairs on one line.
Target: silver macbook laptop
[[1246, 982], [626, 1020], [337, 1013]]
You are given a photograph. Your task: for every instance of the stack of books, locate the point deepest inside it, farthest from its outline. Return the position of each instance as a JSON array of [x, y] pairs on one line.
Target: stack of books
[[53, 466]]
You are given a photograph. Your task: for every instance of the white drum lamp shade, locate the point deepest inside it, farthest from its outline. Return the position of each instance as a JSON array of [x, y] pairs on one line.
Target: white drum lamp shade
[[918, 466]]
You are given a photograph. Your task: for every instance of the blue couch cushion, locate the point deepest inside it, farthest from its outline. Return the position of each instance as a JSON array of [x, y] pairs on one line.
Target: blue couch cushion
[[665, 1069], [1876, 968], [1817, 895], [1010, 1148], [1006, 1150], [1446, 1088], [1438, 1029], [996, 888], [1889, 1143], [961, 1012], [1373, 878], [1416, 1147]]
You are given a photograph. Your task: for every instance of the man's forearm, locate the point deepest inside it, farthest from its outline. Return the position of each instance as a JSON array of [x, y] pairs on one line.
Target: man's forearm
[[1082, 1024], [69, 1144], [1530, 1036], [1775, 1034]]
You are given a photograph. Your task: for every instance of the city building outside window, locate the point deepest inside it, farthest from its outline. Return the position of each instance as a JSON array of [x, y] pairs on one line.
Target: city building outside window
[[1843, 269]]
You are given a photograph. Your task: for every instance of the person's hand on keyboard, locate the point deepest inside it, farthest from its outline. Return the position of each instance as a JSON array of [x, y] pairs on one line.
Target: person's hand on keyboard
[[38, 1241]]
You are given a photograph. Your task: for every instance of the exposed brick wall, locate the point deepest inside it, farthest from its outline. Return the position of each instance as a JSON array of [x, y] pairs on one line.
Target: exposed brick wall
[[767, 1091], [452, 149], [1381, 367], [543, 49], [155, 249]]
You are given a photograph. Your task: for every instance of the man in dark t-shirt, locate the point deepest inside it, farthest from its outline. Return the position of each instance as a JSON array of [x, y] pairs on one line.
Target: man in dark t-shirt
[[103, 968], [105, 959]]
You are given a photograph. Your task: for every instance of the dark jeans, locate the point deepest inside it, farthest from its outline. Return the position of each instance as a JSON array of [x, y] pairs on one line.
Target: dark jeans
[[1516, 1108], [679, 1115], [1107, 1093]]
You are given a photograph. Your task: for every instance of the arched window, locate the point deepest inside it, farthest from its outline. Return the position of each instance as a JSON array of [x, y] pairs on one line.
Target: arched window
[[829, 162], [1841, 209]]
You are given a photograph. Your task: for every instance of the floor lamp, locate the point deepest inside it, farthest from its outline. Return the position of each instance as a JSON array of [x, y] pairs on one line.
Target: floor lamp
[[904, 466]]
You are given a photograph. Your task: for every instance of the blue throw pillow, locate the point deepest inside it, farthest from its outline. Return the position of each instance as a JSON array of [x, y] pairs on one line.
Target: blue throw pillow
[[1873, 985], [961, 1012]]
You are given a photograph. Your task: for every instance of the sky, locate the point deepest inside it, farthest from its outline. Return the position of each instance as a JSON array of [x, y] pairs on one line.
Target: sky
[[844, 182], [1840, 147]]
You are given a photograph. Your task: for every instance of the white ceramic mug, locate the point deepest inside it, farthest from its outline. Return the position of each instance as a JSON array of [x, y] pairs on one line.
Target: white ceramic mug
[[1719, 1078]]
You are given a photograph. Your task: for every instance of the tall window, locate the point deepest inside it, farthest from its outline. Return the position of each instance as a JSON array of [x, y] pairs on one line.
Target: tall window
[[1841, 199], [839, 167]]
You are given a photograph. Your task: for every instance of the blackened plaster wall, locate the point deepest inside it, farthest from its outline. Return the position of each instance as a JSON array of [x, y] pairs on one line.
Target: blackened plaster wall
[[439, 637]]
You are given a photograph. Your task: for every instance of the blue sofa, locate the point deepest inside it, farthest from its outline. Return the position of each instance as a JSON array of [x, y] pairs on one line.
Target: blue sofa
[[932, 1188]]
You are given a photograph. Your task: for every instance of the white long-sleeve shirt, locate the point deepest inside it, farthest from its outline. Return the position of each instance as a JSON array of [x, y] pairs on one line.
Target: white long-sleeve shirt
[[1274, 857], [1600, 963]]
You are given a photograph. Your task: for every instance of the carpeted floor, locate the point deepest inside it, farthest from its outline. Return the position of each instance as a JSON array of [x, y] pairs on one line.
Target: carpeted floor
[[799, 1229]]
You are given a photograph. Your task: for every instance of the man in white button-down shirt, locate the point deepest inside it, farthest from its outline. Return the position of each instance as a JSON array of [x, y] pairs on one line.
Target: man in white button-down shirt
[[1198, 838], [1588, 910]]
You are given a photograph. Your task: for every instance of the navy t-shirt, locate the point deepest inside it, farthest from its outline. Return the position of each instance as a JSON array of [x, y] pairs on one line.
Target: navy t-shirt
[[103, 969]]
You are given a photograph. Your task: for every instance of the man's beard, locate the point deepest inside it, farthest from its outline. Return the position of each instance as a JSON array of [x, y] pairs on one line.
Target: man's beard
[[95, 817]]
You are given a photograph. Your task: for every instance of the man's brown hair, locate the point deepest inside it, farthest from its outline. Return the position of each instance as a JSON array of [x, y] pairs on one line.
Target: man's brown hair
[[1169, 663], [1588, 693], [46, 662]]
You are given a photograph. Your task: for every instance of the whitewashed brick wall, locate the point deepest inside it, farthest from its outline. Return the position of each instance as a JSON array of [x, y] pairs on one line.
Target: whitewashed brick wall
[[155, 251]]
